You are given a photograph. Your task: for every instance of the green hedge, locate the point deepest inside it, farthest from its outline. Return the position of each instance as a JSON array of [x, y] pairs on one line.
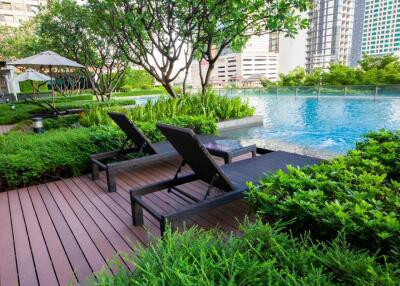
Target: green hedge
[[357, 195], [29, 158], [210, 105], [26, 110], [262, 255]]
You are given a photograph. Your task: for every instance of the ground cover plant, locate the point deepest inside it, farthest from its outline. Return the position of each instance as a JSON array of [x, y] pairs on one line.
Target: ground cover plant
[[262, 255], [210, 105], [357, 195], [28, 158], [26, 110]]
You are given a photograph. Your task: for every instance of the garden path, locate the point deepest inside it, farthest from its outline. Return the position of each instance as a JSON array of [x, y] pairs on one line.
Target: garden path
[[63, 231]]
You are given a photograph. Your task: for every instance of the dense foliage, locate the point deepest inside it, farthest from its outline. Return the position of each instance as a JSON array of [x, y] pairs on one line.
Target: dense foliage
[[357, 195], [135, 78], [210, 105], [372, 71], [26, 110], [29, 158], [263, 255], [71, 30]]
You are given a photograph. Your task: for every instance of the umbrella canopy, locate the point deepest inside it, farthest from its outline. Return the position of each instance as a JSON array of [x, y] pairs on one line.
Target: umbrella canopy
[[46, 59], [31, 74]]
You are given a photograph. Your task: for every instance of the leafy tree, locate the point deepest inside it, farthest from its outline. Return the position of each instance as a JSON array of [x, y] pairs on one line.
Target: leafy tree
[[153, 34], [135, 78], [294, 78], [70, 30], [230, 23], [339, 74], [18, 42]]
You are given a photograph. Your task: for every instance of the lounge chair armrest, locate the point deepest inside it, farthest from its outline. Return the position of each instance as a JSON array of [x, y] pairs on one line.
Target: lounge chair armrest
[[263, 150], [207, 204], [140, 161], [141, 191], [110, 154]]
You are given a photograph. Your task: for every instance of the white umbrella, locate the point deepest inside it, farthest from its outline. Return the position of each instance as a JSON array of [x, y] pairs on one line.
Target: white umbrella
[[47, 59], [31, 74]]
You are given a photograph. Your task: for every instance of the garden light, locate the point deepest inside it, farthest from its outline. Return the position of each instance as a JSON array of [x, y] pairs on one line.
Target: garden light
[[37, 123]]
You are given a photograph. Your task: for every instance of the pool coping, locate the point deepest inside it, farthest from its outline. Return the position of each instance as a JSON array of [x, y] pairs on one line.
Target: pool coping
[[254, 120]]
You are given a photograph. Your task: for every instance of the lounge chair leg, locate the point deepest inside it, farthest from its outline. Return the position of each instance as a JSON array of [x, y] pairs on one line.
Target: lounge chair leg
[[137, 212], [95, 171], [163, 224], [254, 153], [111, 184]]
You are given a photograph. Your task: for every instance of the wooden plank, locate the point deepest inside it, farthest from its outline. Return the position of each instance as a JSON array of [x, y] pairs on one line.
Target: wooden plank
[[101, 231], [127, 234], [123, 200], [44, 267], [25, 263], [121, 208], [74, 252], [59, 258], [8, 263], [91, 252]]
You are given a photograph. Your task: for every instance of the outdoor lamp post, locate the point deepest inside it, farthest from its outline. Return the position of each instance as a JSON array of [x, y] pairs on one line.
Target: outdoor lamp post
[[37, 123]]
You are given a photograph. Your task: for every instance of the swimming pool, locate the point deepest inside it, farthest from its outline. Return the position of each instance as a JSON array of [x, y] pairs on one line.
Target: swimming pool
[[326, 126]]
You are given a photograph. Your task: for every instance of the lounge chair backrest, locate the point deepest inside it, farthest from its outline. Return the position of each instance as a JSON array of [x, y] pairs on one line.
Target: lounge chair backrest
[[132, 132], [196, 156]]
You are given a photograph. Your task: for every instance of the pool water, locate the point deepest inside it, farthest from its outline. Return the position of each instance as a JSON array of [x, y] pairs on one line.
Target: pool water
[[327, 125]]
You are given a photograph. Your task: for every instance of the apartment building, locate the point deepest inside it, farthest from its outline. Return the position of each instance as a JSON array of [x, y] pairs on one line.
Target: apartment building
[[329, 38], [258, 60], [381, 30], [14, 12]]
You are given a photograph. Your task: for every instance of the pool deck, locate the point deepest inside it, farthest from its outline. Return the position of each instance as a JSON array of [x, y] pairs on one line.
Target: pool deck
[[63, 231]]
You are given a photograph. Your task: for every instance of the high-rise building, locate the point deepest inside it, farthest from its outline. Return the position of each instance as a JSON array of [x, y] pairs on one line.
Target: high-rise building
[[14, 12], [329, 37], [381, 31], [258, 60], [358, 27], [292, 52]]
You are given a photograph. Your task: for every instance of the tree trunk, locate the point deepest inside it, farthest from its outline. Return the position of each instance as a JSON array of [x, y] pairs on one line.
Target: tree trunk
[[169, 89], [205, 83]]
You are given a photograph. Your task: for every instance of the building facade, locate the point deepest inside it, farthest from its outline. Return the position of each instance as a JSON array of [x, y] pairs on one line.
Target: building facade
[[258, 60], [381, 31], [292, 52], [15, 12], [329, 37]]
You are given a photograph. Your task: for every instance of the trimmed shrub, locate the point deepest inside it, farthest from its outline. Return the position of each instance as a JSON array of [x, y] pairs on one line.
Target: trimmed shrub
[[29, 158], [264, 255], [26, 110], [209, 104], [357, 195]]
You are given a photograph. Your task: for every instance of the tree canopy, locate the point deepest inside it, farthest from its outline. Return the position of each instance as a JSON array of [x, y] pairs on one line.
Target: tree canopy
[[372, 70], [71, 29]]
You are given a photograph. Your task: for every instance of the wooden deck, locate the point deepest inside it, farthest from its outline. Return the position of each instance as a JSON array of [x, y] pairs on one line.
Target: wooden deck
[[61, 232], [6, 128]]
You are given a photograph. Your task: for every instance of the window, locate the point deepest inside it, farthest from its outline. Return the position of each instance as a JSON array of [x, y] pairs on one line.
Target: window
[[5, 5], [7, 18], [18, 6]]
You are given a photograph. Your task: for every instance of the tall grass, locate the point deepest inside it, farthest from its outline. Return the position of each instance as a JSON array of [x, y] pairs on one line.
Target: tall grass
[[209, 104], [264, 255]]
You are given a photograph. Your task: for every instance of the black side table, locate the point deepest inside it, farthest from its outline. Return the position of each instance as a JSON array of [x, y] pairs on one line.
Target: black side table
[[228, 149]]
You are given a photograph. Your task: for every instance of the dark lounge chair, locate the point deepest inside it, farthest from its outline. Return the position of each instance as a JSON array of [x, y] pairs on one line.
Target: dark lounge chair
[[113, 161], [229, 178]]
